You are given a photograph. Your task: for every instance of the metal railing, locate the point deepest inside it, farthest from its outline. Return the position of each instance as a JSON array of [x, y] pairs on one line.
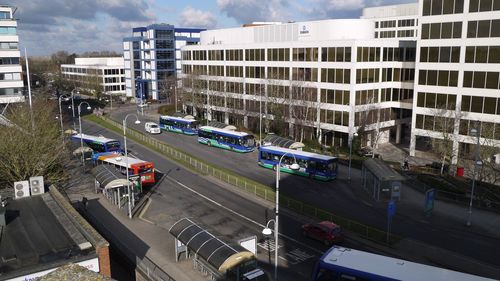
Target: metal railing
[[248, 185]]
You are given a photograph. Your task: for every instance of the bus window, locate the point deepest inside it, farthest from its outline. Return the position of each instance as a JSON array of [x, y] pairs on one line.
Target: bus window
[[322, 167], [311, 165], [144, 170], [113, 145], [264, 155]]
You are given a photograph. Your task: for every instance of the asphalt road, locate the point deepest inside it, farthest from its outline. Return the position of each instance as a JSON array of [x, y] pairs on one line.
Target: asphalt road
[[347, 200]]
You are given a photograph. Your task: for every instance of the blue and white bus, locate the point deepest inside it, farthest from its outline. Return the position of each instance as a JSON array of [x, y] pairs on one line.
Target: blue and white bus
[[187, 126], [99, 144], [341, 263], [317, 166], [226, 139]]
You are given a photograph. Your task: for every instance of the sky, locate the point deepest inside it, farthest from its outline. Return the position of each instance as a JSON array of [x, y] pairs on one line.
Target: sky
[[77, 26]]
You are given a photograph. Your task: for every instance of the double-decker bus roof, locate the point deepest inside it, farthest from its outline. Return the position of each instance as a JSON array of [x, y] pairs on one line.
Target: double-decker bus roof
[[224, 131], [296, 152], [180, 119], [118, 159], [391, 268], [100, 139]]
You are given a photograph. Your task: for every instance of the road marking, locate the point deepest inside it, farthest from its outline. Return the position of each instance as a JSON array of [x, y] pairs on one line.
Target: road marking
[[240, 215]]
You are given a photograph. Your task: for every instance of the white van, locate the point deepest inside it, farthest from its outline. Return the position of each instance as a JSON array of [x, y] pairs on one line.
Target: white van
[[152, 128]]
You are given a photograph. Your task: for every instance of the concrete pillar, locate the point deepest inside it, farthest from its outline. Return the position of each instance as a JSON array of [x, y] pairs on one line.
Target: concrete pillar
[[454, 153], [398, 133], [412, 144]]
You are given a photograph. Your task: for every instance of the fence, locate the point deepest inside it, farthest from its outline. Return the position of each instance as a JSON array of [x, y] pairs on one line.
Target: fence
[[245, 184]]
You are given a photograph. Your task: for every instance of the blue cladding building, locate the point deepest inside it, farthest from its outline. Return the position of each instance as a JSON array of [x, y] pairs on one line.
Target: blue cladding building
[[152, 59]]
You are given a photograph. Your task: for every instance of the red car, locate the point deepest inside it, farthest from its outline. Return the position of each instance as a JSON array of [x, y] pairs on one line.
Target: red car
[[325, 231]]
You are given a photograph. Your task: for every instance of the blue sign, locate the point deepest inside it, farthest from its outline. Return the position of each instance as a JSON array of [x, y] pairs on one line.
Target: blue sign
[[429, 200], [391, 208]]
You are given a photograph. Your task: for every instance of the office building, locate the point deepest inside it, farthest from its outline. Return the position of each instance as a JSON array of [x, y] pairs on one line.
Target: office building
[[11, 83], [107, 74], [152, 59], [457, 78], [309, 79]]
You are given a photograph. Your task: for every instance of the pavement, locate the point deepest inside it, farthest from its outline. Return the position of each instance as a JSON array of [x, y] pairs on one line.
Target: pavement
[[485, 226]]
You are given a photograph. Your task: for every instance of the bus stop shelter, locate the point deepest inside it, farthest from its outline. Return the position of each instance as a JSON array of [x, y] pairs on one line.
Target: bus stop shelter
[[274, 140], [380, 180], [212, 256], [112, 183], [220, 125]]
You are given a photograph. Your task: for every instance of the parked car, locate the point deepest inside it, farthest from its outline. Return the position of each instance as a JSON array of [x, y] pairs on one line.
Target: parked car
[[152, 128], [367, 152], [326, 232]]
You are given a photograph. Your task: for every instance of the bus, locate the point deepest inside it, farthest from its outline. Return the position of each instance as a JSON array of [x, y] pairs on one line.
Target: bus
[[226, 139], [340, 263], [99, 144], [136, 167], [311, 165], [181, 125]]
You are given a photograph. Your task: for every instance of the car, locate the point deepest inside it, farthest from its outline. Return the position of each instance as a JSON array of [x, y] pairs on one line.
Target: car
[[152, 128], [326, 232]]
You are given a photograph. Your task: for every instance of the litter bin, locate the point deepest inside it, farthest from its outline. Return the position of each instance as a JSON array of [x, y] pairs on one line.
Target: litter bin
[[460, 171]]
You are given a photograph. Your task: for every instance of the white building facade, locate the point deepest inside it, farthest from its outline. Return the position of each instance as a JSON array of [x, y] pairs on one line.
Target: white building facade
[[152, 59], [11, 83], [306, 79], [457, 80], [107, 72]]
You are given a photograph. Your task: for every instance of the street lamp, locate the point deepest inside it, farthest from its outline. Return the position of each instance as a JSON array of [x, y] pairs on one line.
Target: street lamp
[[267, 230], [126, 159], [73, 105], [350, 156], [175, 95], [477, 163], [80, 125], [60, 116]]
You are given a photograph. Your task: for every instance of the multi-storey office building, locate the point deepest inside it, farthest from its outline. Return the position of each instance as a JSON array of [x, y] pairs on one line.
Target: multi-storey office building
[[89, 73], [457, 78], [152, 58], [11, 83], [309, 78]]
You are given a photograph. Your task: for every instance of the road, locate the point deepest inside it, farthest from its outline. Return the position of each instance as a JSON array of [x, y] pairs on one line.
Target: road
[[348, 200]]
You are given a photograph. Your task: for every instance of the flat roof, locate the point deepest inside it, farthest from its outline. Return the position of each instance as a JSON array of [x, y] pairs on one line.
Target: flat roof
[[224, 131], [381, 170], [119, 159], [189, 120], [92, 138], [297, 152], [40, 234], [393, 268]]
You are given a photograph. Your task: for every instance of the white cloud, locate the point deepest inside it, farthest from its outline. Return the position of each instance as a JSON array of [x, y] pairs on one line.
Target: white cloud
[[191, 17], [247, 11]]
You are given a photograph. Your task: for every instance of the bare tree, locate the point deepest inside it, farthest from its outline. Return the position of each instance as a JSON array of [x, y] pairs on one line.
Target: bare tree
[[27, 150], [167, 86], [368, 121], [304, 108], [488, 151], [194, 93]]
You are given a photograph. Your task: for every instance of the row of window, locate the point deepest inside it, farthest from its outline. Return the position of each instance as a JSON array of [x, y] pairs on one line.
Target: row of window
[[486, 129], [336, 54], [161, 64], [446, 125], [233, 87], [304, 74], [334, 117], [5, 15], [481, 80], [442, 30], [217, 70], [255, 55], [386, 34], [165, 55], [366, 54], [483, 29], [82, 70], [300, 93], [367, 75], [338, 75], [10, 76], [385, 24], [9, 61], [214, 54], [484, 5], [406, 33], [305, 54], [335, 96], [481, 104], [482, 54], [438, 123], [199, 55], [114, 80], [114, 71], [366, 97], [440, 54], [216, 86], [399, 54], [10, 92], [396, 94], [8, 30], [164, 34], [254, 71], [434, 100], [443, 78], [164, 44], [234, 55], [407, 22], [398, 74], [9, 45], [278, 54], [114, 88], [442, 7]]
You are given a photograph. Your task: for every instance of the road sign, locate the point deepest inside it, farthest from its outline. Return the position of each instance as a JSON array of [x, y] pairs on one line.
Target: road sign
[[391, 208], [429, 200]]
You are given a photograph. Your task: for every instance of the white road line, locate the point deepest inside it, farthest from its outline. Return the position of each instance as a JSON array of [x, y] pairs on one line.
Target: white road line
[[240, 215]]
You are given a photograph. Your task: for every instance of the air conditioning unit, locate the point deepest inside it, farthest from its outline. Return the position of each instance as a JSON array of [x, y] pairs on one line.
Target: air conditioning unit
[[36, 185], [21, 189]]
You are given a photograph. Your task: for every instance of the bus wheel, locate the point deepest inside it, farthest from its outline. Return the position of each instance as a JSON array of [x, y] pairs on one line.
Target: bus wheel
[[209, 143], [274, 167]]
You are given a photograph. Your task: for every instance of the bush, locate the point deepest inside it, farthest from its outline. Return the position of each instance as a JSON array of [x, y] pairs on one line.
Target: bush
[[168, 109]]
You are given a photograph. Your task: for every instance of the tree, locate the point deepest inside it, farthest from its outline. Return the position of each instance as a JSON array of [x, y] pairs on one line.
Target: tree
[[304, 108], [194, 94], [488, 149], [27, 150], [277, 105], [166, 87], [368, 121]]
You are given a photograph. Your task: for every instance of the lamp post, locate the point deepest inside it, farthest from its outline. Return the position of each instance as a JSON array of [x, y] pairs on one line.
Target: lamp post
[[80, 125], [477, 163], [73, 105], [126, 159], [350, 156], [60, 116], [267, 230]]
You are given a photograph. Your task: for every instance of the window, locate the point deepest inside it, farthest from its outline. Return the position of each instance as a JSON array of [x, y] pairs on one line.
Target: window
[[442, 7], [338, 54], [368, 54], [442, 30]]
